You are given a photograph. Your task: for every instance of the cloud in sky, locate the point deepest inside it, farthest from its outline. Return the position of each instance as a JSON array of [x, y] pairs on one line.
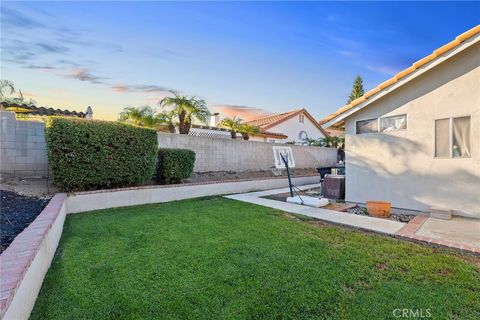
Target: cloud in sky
[[244, 112], [83, 74], [140, 88]]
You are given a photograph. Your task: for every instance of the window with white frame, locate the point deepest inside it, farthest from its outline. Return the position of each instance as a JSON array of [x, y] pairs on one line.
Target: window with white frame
[[452, 137], [393, 123], [367, 126], [301, 118]]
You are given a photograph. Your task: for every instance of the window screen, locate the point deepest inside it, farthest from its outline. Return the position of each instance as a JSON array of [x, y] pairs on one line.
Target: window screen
[[461, 137], [367, 126], [442, 138], [393, 123]]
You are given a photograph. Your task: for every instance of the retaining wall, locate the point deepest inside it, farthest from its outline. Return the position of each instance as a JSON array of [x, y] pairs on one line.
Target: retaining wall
[[214, 154], [23, 150]]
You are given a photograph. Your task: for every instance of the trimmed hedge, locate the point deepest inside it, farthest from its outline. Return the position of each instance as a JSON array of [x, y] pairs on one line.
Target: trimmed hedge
[[87, 155], [173, 165]]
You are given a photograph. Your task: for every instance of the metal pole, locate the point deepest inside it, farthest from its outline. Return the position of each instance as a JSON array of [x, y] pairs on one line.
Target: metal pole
[[288, 173]]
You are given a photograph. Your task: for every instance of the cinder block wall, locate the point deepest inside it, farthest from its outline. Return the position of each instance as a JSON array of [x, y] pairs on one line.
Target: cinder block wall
[[214, 154], [23, 150]]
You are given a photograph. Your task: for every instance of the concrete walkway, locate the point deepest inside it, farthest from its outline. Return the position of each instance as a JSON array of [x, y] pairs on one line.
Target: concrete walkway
[[383, 226], [458, 233], [461, 230]]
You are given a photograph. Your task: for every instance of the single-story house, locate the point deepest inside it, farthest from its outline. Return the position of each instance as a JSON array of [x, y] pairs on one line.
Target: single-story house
[[297, 125], [414, 140]]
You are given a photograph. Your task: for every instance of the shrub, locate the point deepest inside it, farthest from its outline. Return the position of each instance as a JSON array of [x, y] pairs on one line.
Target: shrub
[[86, 155], [173, 165]]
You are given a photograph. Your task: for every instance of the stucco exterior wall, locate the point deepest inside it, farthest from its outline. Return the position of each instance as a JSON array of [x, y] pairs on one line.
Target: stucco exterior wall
[[217, 154], [400, 166], [292, 128]]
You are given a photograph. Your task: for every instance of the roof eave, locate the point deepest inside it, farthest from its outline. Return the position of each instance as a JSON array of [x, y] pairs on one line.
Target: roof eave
[[414, 74]]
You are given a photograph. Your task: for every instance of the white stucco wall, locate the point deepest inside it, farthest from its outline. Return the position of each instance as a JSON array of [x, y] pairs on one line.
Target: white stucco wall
[[292, 128], [400, 166]]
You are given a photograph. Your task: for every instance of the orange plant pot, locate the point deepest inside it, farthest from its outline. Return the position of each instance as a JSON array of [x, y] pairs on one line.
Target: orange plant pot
[[379, 209]]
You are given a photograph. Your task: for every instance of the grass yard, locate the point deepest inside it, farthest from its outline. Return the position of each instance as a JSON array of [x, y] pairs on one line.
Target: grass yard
[[224, 259]]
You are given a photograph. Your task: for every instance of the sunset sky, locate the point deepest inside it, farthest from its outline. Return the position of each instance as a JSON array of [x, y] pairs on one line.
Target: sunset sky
[[243, 58]]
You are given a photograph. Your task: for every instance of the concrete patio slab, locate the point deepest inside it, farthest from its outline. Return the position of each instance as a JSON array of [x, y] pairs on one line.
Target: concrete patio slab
[[460, 230], [383, 226]]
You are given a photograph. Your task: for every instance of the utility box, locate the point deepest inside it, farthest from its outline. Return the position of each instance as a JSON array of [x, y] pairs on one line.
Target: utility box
[[334, 187]]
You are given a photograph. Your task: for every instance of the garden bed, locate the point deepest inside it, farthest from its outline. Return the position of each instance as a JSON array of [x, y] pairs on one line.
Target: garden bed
[[17, 212], [341, 206]]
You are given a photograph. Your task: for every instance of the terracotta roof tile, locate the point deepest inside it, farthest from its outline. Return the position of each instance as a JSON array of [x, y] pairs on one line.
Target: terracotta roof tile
[[267, 122], [41, 111], [431, 57]]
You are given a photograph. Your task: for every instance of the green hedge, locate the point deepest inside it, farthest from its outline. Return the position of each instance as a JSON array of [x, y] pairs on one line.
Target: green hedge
[[87, 155], [173, 165]]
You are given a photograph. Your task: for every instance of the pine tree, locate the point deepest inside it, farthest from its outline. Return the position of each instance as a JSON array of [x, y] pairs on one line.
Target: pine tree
[[357, 90]]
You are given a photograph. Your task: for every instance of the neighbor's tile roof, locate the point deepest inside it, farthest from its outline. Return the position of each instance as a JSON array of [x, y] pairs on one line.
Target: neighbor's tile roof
[[41, 111], [270, 121], [267, 122], [435, 54]]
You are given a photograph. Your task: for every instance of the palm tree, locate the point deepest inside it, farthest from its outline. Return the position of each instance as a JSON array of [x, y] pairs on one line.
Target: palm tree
[[196, 109], [187, 109], [137, 115], [247, 130], [168, 117], [233, 124]]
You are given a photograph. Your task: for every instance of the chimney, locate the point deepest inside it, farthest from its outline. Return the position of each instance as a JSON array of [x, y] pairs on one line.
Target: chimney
[[89, 113], [214, 119]]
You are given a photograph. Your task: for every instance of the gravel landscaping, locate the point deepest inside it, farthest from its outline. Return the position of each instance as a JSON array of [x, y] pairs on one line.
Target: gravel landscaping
[[17, 212], [341, 206]]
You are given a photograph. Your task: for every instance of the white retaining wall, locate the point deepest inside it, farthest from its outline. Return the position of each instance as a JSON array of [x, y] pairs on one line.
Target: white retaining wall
[[215, 154], [87, 201]]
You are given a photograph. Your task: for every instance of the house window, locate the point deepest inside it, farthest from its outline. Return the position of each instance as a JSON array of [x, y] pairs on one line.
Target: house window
[[452, 138], [393, 123], [367, 126], [301, 118]]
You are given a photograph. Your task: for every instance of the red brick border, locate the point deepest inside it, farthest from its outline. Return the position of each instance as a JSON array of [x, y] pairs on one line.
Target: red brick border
[[408, 232], [17, 258]]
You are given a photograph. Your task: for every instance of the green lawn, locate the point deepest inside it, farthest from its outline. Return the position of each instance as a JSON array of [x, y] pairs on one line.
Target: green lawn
[[223, 259]]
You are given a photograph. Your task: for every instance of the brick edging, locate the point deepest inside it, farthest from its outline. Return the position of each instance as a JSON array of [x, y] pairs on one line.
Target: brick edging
[[19, 255], [408, 232]]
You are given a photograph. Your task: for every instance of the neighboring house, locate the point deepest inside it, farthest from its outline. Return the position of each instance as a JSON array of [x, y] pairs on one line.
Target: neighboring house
[[296, 125], [415, 139]]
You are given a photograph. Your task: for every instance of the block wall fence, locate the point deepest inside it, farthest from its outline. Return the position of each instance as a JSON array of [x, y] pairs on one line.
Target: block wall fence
[[23, 150], [215, 154]]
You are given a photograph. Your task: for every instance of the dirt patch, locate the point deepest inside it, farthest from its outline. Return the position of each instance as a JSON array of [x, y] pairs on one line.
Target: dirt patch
[[41, 186], [381, 266], [235, 175], [17, 212], [443, 272], [27, 186]]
